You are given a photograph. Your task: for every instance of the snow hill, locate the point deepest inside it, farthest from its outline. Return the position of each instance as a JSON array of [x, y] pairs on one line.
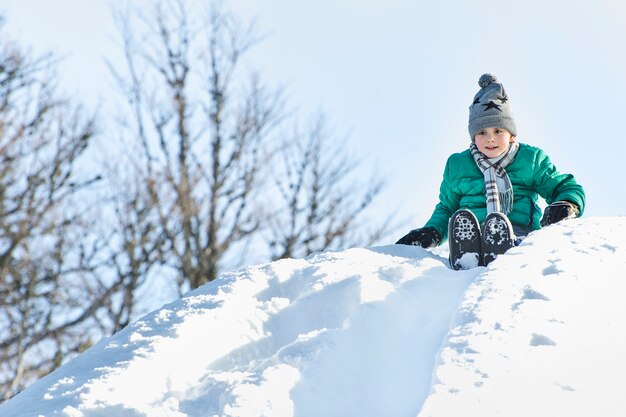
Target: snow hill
[[385, 331]]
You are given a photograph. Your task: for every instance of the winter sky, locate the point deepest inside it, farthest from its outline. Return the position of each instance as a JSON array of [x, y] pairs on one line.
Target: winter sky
[[396, 77]]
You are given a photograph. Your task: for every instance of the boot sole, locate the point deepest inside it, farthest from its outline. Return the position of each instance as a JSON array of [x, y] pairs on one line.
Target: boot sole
[[464, 240], [497, 237]]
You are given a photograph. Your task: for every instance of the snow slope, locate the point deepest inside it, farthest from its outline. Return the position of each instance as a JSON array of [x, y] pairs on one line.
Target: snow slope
[[386, 331]]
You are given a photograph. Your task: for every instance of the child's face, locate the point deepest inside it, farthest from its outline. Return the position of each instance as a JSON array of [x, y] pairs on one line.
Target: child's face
[[493, 141]]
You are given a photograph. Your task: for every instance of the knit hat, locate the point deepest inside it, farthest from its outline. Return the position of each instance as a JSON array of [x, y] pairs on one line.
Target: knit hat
[[490, 107]]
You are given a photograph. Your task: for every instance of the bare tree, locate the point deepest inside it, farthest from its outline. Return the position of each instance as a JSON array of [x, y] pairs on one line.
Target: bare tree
[[48, 294], [198, 146], [194, 141], [324, 205]]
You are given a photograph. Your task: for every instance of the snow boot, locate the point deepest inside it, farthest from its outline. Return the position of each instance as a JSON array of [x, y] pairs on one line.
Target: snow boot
[[497, 236], [464, 240]]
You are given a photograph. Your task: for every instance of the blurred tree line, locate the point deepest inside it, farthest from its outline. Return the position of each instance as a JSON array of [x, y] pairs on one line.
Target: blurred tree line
[[203, 165]]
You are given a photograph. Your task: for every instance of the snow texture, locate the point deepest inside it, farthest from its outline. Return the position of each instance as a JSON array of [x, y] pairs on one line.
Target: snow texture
[[384, 331]]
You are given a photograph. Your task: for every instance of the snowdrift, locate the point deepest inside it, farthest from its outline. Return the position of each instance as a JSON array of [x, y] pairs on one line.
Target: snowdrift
[[384, 331]]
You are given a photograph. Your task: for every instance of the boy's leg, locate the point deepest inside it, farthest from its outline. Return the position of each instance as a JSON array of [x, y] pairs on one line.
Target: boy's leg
[[464, 240], [520, 233], [497, 236]]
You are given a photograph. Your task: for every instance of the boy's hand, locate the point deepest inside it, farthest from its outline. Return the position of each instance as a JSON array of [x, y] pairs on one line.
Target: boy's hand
[[426, 237], [559, 210]]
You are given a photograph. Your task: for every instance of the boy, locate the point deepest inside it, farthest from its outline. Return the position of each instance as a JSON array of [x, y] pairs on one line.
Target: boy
[[495, 183]]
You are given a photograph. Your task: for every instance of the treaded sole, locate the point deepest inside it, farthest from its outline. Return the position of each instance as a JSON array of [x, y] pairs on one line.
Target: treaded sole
[[497, 237], [464, 240]]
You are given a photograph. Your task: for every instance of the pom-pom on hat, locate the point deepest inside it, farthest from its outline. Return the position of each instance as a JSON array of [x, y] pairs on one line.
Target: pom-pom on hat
[[490, 107]]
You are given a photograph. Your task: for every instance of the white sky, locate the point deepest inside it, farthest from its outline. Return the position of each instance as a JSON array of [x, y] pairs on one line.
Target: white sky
[[398, 77]]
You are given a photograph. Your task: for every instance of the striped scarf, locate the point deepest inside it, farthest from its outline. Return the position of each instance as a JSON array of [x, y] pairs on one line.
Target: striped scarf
[[497, 200]]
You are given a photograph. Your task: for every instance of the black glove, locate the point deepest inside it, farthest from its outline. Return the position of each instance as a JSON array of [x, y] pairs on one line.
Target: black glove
[[426, 237], [559, 210]]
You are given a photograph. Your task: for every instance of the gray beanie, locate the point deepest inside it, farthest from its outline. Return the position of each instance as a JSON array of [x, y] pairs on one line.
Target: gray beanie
[[490, 107]]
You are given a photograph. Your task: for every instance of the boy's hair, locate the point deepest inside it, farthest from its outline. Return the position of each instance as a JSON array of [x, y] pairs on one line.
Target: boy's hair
[[490, 107]]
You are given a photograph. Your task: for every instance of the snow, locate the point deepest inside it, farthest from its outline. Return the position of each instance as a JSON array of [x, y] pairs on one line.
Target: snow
[[382, 331], [468, 260]]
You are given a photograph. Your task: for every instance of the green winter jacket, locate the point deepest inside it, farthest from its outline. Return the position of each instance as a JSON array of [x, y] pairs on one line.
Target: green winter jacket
[[532, 174]]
